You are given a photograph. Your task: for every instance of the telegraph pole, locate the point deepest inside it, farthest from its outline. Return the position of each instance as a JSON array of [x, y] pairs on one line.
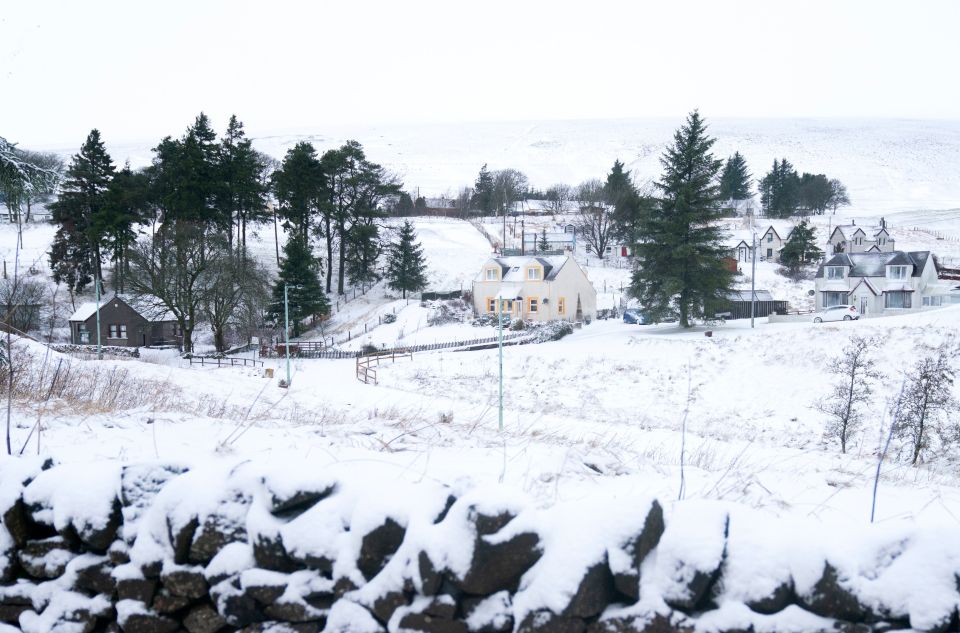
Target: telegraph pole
[[99, 348], [753, 276], [500, 345], [286, 329]]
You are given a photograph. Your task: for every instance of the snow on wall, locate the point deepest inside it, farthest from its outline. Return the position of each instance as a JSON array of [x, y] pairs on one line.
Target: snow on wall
[[234, 543]]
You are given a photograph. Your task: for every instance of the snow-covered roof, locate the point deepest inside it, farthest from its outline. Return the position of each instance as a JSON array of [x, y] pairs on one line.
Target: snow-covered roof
[[743, 294], [508, 291], [513, 266], [875, 264], [150, 308]]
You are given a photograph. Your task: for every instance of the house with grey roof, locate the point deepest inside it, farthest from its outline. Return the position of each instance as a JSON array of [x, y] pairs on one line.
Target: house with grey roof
[[850, 238], [880, 284], [535, 288], [125, 321]]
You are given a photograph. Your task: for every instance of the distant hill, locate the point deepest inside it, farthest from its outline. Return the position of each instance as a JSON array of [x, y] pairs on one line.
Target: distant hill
[[887, 165]]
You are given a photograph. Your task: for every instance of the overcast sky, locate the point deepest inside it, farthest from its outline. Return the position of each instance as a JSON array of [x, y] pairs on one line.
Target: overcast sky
[[139, 70]]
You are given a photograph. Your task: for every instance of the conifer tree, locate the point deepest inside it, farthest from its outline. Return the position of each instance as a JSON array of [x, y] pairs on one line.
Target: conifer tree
[[300, 273], [75, 254], [780, 190], [801, 248], [628, 205], [680, 252], [299, 185], [483, 191], [544, 245], [735, 179], [243, 195], [125, 207], [407, 267]]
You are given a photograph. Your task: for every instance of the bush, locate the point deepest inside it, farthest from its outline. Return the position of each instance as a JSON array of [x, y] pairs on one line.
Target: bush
[[390, 317], [517, 326]]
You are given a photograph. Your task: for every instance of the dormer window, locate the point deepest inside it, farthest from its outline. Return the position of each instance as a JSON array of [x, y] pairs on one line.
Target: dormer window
[[491, 274], [769, 237], [896, 272], [835, 272], [533, 273]]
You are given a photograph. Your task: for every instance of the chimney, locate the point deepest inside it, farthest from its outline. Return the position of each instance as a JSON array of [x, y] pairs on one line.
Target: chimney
[[883, 223], [853, 222]]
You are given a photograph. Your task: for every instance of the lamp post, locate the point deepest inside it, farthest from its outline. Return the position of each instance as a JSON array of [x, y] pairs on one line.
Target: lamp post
[[500, 345], [753, 275], [286, 329], [99, 348]]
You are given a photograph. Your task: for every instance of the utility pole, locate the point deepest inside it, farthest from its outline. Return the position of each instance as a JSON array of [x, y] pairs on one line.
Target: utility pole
[[500, 345], [286, 329], [753, 276], [99, 348], [523, 239]]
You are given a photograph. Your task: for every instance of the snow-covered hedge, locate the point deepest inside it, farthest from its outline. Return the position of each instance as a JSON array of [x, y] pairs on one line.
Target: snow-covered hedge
[[233, 545]]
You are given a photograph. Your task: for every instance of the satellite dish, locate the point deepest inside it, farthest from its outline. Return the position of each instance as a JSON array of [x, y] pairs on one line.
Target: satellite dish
[[810, 293]]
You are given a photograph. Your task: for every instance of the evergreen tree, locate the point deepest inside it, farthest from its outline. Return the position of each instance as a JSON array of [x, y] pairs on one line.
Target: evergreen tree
[[300, 273], [628, 205], [125, 207], [243, 194], [735, 179], [407, 267], [363, 253], [483, 191], [780, 190], [299, 185], [544, 245], [680, 250], [404, 205], [801, 248], [75, 253]]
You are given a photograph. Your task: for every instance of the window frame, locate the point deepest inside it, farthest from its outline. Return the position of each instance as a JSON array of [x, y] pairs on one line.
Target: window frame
[[491, 305], [833, 294], [901, 268], [491, 274], [533, 273], [562, 305], [533, 305], [831, 270], [906, 300]]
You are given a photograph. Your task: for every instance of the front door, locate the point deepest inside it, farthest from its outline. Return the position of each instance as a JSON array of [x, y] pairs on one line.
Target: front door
[[863, 306]]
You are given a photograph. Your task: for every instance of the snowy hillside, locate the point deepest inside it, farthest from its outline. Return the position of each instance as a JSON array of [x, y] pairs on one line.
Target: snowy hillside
[[886, 164]]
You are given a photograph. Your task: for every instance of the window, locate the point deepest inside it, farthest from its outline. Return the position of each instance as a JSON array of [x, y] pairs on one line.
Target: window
[[896, 272], [117, 331], [769, 237], [561, 306], [835, 272], [532, 305], [491, 274], [113, 331], [933, 301], [769, 253], [834, 299], [897, 300], [533, 273], [84, 333], [491, 304]]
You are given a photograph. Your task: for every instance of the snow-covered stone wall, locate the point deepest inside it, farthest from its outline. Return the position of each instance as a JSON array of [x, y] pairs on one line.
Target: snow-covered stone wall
[[261, 546]]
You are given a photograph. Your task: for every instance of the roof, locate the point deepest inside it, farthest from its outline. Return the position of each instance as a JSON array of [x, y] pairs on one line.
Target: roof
[[743, 294], [875, 264], [551, 266], [869, 285], [149, 307], [508, 291]]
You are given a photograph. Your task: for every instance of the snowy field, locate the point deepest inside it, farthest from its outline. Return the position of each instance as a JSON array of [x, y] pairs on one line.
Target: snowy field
[[887, 165]]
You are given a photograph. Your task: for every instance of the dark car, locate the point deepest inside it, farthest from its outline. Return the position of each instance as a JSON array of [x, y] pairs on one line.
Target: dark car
[[636, 317]]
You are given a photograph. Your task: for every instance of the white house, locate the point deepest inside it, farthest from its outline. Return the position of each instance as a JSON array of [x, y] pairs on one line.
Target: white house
[[880, 284], [770, 241], [850, 238], [535, 288]]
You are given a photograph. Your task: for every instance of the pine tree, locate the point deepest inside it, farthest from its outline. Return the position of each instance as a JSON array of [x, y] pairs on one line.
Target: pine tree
[[544, 245], [735, 179], [628, 205], [407, 268], [125, 206], [75, 254], [680, 250], [300, 273], [780, 190], [363, 252], [243, 194], [483, 191], [299, 185], [801, 248]]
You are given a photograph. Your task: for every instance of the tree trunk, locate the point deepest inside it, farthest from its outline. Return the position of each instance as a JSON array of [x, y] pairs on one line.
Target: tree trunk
[[219, 338], [341, 261], [276, 237], [329, 236]]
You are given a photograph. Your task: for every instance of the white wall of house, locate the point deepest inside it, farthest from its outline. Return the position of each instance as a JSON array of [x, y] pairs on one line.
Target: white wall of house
[[540, 299], [884, 295]]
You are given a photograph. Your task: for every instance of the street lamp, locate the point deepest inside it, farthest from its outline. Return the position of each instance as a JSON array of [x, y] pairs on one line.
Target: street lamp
[[99, 349], [286, 330]]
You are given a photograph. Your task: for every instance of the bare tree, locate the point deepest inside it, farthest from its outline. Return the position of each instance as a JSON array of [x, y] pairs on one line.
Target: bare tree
[[857, 369], [509, 186], [235, 287], [21, 301], [927, 396], [838, 195], [559, 196], [594, 223]]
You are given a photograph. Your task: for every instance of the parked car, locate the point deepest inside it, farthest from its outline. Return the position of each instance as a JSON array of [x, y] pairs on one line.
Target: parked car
[[633, 316], [837, 313]]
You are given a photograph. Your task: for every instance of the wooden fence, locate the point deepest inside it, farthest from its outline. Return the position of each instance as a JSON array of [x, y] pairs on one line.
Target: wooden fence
[[365, 371], [203, 361]]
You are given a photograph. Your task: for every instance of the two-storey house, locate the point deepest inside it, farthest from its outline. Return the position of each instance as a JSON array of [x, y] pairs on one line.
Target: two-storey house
[[535, 288]]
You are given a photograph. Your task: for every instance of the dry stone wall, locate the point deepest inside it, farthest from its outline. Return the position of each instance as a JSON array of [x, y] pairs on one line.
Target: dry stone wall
[[242, 546]]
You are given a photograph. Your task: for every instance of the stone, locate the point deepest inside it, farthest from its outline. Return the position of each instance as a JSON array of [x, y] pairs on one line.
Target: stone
[[652, 623], [140, 483], [431, 624], [637, 547], [141, 589], [446, 509], [265, 594], [498, 612], [496, 567], [96, 578], [283, 627], [45, 559], [831, 599], [384, 606], [237, 607], [149, 623], [271, 554], [99, 538], [378, 546], [181, 538], [203, 618], [291, 506], [165, 602], [10, 613], [595, 592], [186, 582], [18, 523], [782, 597], [430, 577], [547, 622], [212, 536], [292, 611]]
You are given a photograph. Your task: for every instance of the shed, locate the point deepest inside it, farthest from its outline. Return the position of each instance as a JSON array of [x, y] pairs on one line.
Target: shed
[[736, 304]]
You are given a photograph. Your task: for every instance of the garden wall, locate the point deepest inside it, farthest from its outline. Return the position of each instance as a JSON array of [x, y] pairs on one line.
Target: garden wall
[[265, 546]]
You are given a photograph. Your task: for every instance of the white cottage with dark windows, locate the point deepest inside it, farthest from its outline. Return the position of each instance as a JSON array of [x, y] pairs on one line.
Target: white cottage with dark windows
[[535, 288], [880, 284]]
